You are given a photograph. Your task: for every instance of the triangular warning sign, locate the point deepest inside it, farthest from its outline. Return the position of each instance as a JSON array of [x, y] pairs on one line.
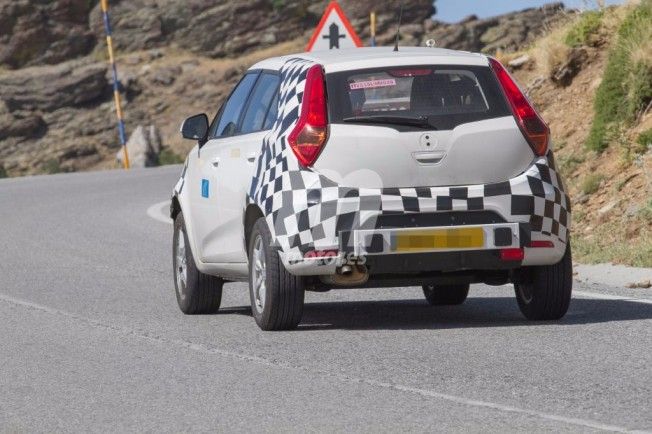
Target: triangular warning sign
[[334, 31]]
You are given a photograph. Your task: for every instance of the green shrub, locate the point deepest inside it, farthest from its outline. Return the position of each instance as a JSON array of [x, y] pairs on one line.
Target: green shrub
[[167, 157], [645, 139], [626, 86], [583, 31], [591, 183], [568, 164], [3, 172], [638, 86], [52, 166], [646, 212]]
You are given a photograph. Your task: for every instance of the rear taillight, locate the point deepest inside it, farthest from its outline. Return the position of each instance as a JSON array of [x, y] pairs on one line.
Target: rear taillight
[[311, 132], [534, 128]]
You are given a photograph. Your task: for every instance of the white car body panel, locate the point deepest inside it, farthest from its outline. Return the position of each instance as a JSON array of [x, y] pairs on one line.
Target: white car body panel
[[378, 156], [227, 163]]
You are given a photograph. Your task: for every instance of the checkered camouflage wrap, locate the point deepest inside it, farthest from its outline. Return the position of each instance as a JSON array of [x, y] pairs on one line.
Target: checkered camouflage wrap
[[307, 211]]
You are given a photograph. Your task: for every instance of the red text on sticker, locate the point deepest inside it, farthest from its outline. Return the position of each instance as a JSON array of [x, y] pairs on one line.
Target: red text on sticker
[[370, 84]]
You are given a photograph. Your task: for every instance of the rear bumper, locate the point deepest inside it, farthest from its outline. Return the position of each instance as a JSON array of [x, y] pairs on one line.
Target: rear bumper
[[341, 219], [489, 257]]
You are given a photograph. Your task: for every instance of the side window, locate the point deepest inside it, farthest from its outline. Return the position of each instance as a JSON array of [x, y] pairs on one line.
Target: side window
[[227, 123], [259, 103], [272, 113]]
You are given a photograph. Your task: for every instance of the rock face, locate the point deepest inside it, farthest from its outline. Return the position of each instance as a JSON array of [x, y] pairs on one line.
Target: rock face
[[226, 28], [505, 32], [19, 124], [565, 73], [37, 32], [34, 32], [50, 88]]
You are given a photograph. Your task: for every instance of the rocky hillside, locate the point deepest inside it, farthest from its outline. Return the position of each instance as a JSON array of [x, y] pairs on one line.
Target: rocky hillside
[[174, 58], [178, 58]]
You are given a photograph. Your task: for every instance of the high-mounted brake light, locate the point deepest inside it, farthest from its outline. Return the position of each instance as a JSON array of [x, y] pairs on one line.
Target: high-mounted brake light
[[534, 128], [412, 72], [311, 131]]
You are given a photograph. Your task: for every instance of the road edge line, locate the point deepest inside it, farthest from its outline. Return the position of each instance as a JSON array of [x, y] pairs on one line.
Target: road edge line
[[155, 212]]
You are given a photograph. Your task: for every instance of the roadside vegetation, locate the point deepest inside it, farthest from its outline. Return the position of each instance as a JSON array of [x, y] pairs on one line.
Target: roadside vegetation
[[585, 30], [626, 87], [644, 140], [591, 183], [52, 167], [637, 253], [167, 157], [3, 172]]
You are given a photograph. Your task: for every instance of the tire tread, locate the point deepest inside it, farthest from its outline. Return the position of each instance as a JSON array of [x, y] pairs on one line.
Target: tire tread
[[284, 305], [204, 291], [551, 289]]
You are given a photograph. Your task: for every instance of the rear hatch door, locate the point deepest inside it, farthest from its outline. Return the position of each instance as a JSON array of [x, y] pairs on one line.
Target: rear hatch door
[[423, 125]]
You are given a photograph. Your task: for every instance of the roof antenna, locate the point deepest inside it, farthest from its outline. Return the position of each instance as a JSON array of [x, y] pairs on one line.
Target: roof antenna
[[398, 28]]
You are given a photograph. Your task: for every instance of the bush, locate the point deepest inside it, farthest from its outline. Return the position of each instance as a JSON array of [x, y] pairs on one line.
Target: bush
[[583, 31], [639, 88], [3, 172], [645, 139], [568, 164], [591, 183], [626, 86], [52, 166], [167, 157]]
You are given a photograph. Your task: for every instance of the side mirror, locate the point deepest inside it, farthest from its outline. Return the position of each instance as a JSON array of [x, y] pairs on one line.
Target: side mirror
[[195, 128]]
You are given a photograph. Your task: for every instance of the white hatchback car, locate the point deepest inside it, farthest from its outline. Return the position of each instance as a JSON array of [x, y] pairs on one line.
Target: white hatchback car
[[369, 168]]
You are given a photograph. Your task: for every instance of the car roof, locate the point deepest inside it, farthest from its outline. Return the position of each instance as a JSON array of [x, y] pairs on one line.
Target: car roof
[[368, 57]]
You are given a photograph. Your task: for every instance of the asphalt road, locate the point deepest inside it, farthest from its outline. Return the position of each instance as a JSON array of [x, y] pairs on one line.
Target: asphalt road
[[91, 339]]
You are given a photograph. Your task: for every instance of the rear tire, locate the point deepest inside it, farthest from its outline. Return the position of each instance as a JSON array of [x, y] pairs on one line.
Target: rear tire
[[548, 295], [445, 294], [197, 293], [276, 295]]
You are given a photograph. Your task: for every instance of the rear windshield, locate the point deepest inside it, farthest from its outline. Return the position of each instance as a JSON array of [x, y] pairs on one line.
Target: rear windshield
[[449, 95]]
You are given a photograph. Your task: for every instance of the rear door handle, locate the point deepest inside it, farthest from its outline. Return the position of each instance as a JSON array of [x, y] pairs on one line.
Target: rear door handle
[[428, 157], [251, 157], [216, 162]]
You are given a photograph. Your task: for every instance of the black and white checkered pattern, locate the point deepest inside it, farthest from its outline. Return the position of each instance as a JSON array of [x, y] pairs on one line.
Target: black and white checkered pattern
[[307, 211]]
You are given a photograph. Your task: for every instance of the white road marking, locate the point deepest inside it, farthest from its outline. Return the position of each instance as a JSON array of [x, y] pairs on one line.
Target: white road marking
[[156, 212], [202, 348], [603, 296]]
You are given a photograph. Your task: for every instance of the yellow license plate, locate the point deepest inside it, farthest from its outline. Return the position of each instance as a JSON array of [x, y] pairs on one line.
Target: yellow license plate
[[434, 239]]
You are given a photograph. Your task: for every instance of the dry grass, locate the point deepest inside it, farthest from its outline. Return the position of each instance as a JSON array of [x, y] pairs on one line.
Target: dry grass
[[554, 53], [505, 57], [600, 247]]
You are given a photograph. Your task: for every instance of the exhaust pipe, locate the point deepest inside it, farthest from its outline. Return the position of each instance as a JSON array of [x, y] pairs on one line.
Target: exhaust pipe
[[347, 275]]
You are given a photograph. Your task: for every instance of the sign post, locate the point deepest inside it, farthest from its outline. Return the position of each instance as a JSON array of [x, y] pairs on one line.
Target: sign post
[[116, 84], [372, 27], [334, 31]]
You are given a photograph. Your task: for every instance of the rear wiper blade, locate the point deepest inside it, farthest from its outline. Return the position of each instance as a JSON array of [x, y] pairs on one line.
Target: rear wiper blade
[[417, 121]]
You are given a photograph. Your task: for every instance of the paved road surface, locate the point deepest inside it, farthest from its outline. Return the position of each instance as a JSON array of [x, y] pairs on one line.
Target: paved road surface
[[91, 339]]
